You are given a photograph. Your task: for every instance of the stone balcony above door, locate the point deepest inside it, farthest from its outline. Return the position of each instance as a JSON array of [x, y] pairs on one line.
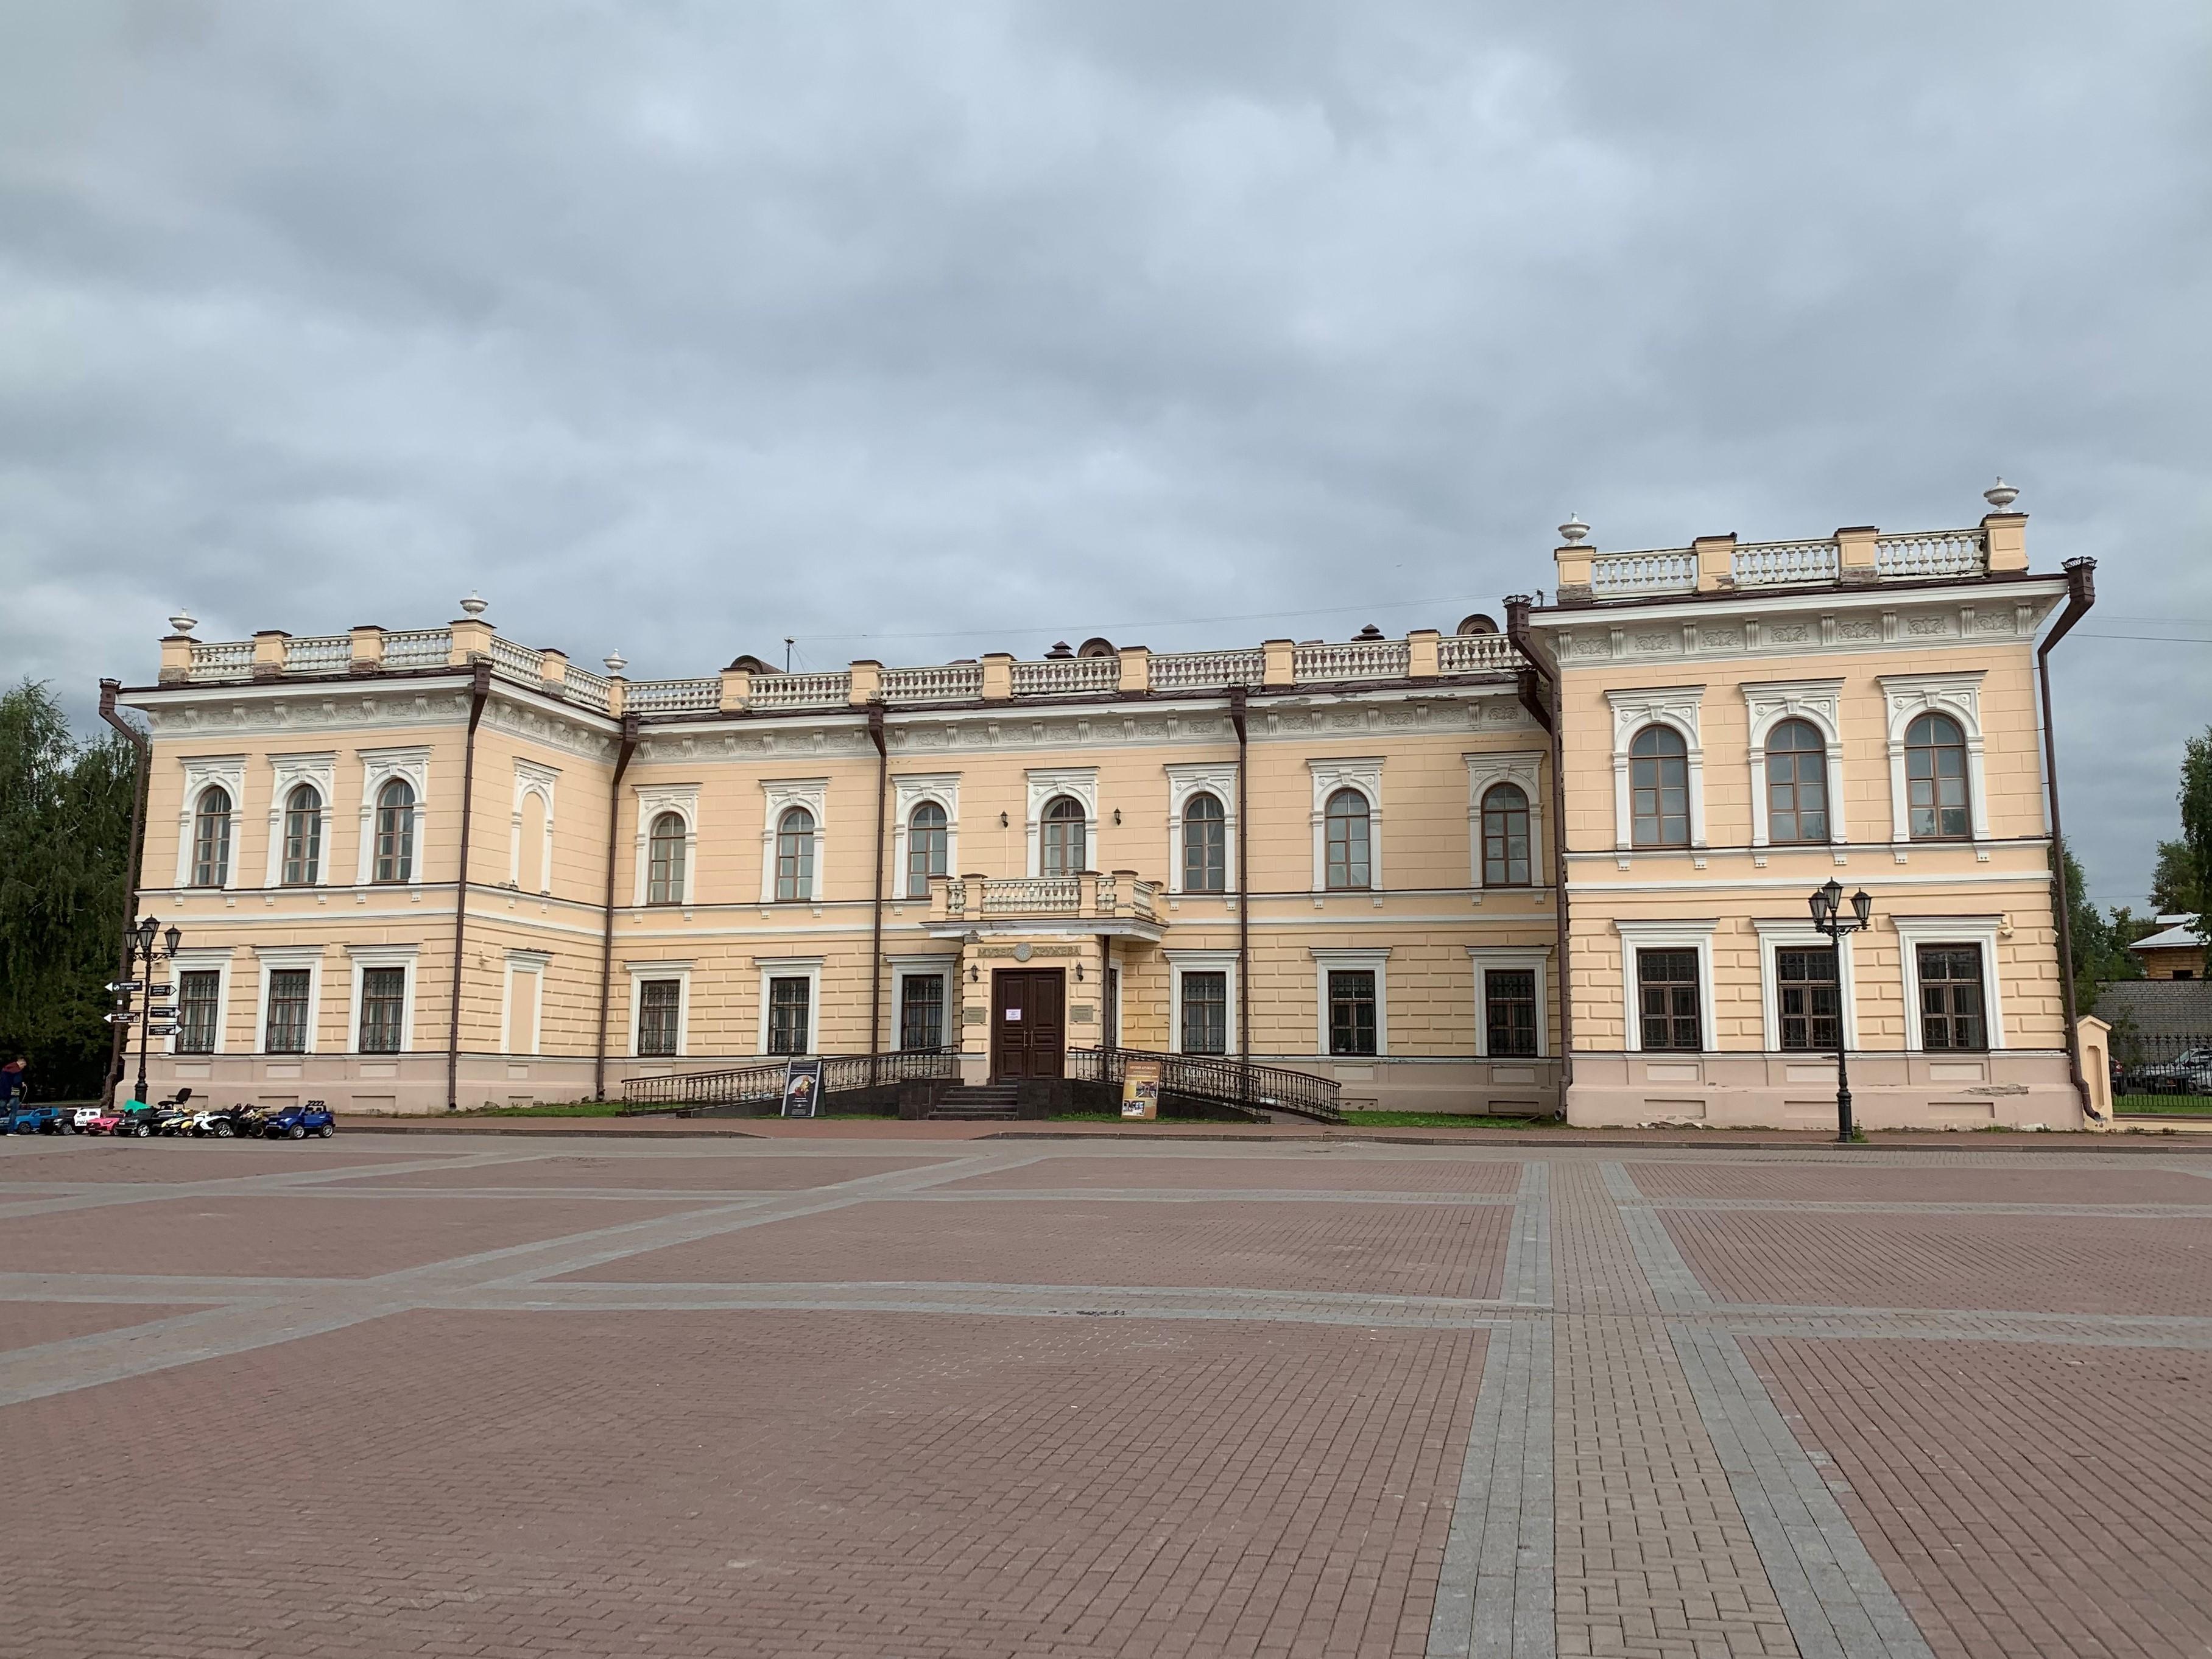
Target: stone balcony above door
[[1116, 903]]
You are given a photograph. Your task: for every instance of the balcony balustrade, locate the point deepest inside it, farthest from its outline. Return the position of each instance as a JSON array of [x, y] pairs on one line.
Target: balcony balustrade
[[1116, 901]]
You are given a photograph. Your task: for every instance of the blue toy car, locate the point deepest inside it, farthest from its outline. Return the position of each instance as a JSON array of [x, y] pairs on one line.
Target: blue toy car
[[39, 1120], [297, 1123]]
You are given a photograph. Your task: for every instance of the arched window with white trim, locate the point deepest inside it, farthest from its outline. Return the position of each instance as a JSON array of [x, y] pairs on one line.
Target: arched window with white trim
[[1205, 844], [1659, 788], [395, 831], [303, 836], [211, 816], [1796, 783], [1505, 836], [927, 848], [664, 871], [1066, 837], [794, 855], [1936, 781], [1347, 840]]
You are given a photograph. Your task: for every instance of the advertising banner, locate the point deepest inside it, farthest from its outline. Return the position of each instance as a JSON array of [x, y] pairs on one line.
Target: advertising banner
[[1140, 1089], [802, 1088]]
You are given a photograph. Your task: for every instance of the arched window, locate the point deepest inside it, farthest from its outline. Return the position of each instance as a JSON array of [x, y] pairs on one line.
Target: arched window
[[794, 855], [1348, 862], [1936, 780], [1659, 788], [1796, 783], [211, 837], [1065, 851], [1205, 845], [663, 869], [927, 842], [395, 831], [303, 836], [1505, 836]]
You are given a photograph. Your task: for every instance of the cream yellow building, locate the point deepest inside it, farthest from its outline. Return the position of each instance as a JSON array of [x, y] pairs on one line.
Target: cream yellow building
[[1336, 858]]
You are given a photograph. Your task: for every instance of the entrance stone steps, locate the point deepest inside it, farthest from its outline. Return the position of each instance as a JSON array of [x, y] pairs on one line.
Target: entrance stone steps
[[975, 1102]]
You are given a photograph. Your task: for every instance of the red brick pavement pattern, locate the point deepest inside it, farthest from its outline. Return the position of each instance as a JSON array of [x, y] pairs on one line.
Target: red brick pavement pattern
[[1944, 1183], [709, 1170], [1307, 1172], [27, 1324], [305, 1237], [96, 1158], [1430, 1250], [752, 1485], [2034, 1264], [2043, 1502]]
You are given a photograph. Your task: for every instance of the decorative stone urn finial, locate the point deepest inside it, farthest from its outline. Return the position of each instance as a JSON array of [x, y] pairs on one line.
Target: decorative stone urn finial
[[184, 622], [1574, 529], [2001, 496], [474, 604], [615, 662]]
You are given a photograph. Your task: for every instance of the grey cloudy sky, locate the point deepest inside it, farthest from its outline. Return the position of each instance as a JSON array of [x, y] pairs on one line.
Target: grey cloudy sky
[[916, 330]]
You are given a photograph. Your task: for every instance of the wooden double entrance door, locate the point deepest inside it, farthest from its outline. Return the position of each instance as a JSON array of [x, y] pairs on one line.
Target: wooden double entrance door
[[1029, 1023]]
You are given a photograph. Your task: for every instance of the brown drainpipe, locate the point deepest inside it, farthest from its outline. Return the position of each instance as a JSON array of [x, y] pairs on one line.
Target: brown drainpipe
[[626, 746], [1239, 698], [876, 928], [479, 689], [1545, 710], [142, 748], [2081, 594]]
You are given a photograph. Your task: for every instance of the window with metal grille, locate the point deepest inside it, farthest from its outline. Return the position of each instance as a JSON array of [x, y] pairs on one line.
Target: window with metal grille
[[659, 1016], [199, 1010], [395, 831], [794, 859], [921, 1011], [927, 839], [1936, 780], [1796, 783], [1666, 993], [1659, 788], [288, 1010], [664, 868], [211, 838], [788, 1006], [1204, 1013], [1065, 851], [1808, 997], [1352, 1011], [1505, 836], [303, 836], [383, 1009], [1509, 1006], [1205, 845], [1951, 1007], [1346, 832]]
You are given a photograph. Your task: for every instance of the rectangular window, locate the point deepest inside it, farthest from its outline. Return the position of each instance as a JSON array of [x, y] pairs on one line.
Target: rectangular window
[[1204, 1013], [1808, 999], [197, 1011], [383, 1009], [660, 1012], [1509, 1001], [1667, 992], [288, 1010], [1951, 997], [787, 1009], [1352, 1011], [921, 1011]]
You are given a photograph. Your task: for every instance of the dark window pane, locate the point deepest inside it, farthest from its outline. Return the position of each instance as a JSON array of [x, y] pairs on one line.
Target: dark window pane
[[1204, 1013], [1659, 788], [788, 1005], [1348, 863], [198, 1010], [288, 1011], [383, 1007], [1937, 807], [211, 839], [1065, 851], [1951, 1006], [663, 879], [1505, 838], [303, 837], [660, 1012], [1667, 998], [1351, 1011], [1205, 845], [1797, 784], [928, 840], [921, 1011], [794, 857], [1509, 997], [1808, 999]]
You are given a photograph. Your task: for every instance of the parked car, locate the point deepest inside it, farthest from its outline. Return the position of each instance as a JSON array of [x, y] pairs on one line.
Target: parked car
[[297, 1123], [2186, 1073]]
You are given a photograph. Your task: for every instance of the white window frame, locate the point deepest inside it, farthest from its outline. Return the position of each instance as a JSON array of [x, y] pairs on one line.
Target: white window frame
[[271, 958], [782, 794], [378, 767], [654, 799], [206, 958], [1913, 932], [1364, 774], [1667, 935], [1219, 780], [808, 969], [201, 772], [1484, 959], [1818, 704], [521, 965], [1524, 769], [1790, 935], [1375, 957], [946, 968], [639, 973], [532, 778], [288, 773], [1080, 785], [1679, 707], [1212, 962], [1908, 697], [366, 957], [942, 788]]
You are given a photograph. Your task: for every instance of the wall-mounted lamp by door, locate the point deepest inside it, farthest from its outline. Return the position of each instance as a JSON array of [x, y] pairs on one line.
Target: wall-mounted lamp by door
[[1003, 821], [1117, 815]]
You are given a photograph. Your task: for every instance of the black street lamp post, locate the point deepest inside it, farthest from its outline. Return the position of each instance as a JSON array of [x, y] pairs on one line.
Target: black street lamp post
[[1827, 906], [147, 943]]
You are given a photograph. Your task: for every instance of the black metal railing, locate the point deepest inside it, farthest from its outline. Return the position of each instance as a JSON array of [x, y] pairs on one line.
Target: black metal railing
[[2163, 1065], [687, 1092], [1218, 1080]]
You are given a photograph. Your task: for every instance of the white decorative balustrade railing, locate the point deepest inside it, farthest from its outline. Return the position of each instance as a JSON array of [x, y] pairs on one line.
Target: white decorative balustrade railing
[[230, 661], [1090, 897], [1769, 564], [1066, 674], [420, 648], [1190, 670], [1667, 570], [830, 691], [1475, 653], [516, 661], [954, 682], [1931, 553], [1359, 660], [322, 654], [671, 696], [581, 685]]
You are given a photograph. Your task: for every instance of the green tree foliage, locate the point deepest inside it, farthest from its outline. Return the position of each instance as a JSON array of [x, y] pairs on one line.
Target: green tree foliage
[[2100, 941], [2173, 884], [2195, 797], [64, 858]]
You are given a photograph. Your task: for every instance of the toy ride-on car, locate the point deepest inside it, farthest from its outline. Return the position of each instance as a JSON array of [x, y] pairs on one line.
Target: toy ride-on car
[[38, 1120], [223, 1123], [298, 1123]]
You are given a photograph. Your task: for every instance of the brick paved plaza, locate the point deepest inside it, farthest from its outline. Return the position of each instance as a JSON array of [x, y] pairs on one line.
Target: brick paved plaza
[[493, 1396]]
